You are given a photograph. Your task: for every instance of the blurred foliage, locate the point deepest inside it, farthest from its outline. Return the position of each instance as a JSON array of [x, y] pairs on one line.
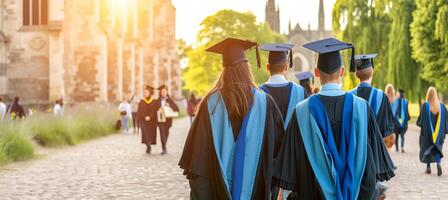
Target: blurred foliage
[[410, 37], [429, 31], [203, 68]]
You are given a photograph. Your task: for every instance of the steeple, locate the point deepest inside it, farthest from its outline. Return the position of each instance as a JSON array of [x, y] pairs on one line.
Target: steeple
[[272, 15], [321, 23]]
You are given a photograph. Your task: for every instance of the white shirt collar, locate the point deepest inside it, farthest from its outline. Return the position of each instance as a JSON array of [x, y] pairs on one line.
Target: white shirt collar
[[277, 79]]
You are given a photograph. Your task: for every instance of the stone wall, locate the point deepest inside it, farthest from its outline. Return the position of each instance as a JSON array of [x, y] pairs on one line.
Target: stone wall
[[91, 50]]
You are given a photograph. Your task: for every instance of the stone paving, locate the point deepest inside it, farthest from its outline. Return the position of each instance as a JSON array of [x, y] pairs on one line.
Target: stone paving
[[116, 167]]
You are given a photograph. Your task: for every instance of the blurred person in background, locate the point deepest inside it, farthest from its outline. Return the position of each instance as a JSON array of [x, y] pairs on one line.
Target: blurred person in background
[[58, 108], [126, 114], [165, 103], [16, 110], [2, 110], [134, 107], [433, 123], [193, 102]]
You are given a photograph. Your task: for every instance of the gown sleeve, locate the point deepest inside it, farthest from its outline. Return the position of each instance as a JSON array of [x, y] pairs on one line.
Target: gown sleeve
[[197, 146], [420, 116], [386, 120], [383, 162]]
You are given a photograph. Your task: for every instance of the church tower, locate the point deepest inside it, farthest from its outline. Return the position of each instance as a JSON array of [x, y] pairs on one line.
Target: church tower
[[321, 23], [272, 15]]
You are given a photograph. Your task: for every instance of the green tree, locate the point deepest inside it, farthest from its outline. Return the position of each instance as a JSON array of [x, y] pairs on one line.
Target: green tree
[[401, 66], [203, 68], [429, 31], [366, 24]]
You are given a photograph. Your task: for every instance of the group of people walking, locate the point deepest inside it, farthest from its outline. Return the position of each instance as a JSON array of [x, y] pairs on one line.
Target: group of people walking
[[282, 140], [151, 113], [14, 111]]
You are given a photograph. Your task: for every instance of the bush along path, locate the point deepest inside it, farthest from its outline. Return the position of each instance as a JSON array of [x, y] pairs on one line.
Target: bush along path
[[18, 139]]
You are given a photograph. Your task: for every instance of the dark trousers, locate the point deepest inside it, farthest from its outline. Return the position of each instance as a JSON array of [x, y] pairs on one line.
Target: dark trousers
[[135, 122], [398, 135], [164, 132]]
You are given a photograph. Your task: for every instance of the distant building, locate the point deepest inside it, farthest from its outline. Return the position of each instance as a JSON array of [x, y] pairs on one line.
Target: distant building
[[86, 50], [304, 59]]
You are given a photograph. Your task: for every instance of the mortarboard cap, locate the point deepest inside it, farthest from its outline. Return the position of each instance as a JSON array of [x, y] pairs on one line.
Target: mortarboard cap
[[232, 51], [278, 53], [329, 59], [304, 77], [364, 61]]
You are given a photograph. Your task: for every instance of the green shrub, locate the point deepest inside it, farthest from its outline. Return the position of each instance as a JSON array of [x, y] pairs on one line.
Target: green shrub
[[14, 144], [77, 125]]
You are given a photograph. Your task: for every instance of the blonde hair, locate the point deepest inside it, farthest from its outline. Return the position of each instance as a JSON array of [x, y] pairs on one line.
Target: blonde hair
[[390, 92], [433, 99]]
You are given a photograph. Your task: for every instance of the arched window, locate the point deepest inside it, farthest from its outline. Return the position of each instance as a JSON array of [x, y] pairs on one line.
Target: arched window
[[35, 12]]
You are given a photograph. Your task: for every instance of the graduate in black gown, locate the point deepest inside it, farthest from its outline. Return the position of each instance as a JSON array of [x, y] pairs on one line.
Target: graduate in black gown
[[333, 148], [376, 98], [147, 116], [433, 123], [401, 115], [286, 94], [236, 134], [305, 81]]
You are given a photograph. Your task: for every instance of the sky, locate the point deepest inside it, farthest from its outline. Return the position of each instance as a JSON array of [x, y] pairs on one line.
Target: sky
[[190, 13]]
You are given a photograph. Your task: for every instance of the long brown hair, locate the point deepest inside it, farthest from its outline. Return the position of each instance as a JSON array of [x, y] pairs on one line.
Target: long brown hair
[[390, 92], [433, 99], [235, 84]]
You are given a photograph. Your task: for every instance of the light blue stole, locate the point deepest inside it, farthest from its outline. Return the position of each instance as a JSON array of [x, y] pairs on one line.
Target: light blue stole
[[375, 97], [238, 160], [320, 158], [296, 95]]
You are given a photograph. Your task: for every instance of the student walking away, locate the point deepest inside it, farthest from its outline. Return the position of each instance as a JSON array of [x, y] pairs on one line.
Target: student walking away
[[237, 132], [126, 114], [286, 94], [192, 105], [135, 100], [147, 116], [16, 110], [2, 110], [433, 123], [364, 70], [390, 93], [401, 115], [333, 148], [58, 108], [305, 81], [167, 109]]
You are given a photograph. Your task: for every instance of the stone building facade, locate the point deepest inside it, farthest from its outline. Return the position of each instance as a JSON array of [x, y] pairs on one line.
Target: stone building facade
[[86, 50], [304, 59]]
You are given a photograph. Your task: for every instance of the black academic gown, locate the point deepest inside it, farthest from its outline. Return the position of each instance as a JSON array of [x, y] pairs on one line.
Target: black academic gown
[[149, 128], [385, 117], [201, 166], [428, 149], [293, 170], [281, 97], [398, 129]]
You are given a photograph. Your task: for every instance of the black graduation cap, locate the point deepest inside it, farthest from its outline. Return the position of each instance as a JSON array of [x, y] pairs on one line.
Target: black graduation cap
[[304, 77], [278, 53], [364, 61], [329, 59], [162, 87], [233, 49]]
